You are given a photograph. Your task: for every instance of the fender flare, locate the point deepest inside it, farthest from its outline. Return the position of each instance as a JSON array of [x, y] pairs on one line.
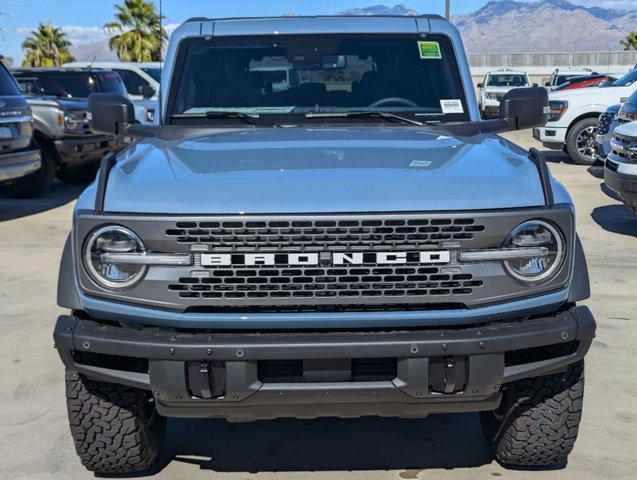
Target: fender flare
[[67, 296], [580, 286]]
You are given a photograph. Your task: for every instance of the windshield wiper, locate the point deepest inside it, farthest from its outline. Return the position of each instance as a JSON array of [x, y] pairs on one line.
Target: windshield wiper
[[212, 114], [365, 114]]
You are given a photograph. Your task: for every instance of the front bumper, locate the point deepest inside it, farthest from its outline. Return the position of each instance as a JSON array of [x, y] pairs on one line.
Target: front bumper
[[476, 361], [16, 165], [489, 111], [551, 137], [621, 177], [79, 150]]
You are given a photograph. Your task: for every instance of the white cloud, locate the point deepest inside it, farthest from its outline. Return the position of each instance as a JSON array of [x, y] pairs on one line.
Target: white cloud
[[83, 35], [74, 34]]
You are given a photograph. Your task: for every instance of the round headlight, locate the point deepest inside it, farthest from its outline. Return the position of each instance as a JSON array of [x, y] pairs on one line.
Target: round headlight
[[74, 120], [113, 239], [535, 269]]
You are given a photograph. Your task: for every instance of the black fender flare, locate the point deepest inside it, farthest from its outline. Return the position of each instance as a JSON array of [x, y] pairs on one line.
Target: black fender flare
[[67, 296], [580, 286]]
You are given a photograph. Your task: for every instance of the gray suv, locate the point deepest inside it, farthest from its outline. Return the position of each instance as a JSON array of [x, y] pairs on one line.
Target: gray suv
[[19, 155], [355, 243], [57, 97]]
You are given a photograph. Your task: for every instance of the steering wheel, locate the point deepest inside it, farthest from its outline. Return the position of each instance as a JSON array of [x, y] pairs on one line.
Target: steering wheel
[[392, 101]]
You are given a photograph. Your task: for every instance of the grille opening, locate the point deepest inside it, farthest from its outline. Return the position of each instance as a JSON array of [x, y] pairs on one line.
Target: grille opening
[[315, 308], [351, 282], [125, 364], [537, 354], [339, 370]]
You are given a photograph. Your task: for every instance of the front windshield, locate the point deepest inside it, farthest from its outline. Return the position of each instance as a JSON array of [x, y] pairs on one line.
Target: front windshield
[[626, 80], [507, 80], [154, 72], [290, 76]]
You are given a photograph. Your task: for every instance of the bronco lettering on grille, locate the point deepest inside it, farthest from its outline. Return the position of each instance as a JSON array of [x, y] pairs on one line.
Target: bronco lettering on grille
[[326, 258]]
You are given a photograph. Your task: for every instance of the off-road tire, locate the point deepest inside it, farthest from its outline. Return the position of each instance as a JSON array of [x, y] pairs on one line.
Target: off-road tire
[[116, 429], [33, 185], [77, 175], [571, 141], [538, 420]]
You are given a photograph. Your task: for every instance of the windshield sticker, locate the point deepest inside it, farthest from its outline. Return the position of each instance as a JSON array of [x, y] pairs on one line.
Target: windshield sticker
[[451, 106], [429, 50], [420, 164]]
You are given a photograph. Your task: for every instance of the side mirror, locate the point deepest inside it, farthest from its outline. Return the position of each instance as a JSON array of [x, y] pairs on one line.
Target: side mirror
[[547, 84], [525, 107], [110, 114], [535, 85], [147, 91], [480, 85]]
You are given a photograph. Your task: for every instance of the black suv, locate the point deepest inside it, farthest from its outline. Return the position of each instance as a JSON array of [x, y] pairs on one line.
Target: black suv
[[57, 97], [19, 155]]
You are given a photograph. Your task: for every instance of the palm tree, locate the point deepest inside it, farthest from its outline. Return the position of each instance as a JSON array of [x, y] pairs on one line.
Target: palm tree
[[137, 33], [47, 46], [631, 42]]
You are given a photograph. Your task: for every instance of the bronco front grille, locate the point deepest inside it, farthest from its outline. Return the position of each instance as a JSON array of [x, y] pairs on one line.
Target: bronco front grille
[[324, 235], [221, 279]]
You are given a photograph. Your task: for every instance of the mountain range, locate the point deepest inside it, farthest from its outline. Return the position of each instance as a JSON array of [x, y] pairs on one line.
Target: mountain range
[[500, 26], [509, 26]]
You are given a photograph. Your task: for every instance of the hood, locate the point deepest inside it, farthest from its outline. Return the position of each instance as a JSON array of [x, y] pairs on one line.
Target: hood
[[301, 170], [605, 94], [628, 130], [62, 103], [499, 89]]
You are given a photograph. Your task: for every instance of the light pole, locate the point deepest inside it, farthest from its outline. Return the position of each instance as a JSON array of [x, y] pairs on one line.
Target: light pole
[[447, 8]]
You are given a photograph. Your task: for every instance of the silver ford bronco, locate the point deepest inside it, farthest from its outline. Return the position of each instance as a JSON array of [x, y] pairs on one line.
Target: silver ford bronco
[[320, 224]]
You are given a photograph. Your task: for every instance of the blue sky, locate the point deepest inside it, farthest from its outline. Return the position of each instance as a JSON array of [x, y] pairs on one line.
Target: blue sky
[[83, 19]]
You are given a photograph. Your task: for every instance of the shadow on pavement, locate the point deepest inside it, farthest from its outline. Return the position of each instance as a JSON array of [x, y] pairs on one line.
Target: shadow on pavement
[[370, 443], [57, 195], [616, 219]]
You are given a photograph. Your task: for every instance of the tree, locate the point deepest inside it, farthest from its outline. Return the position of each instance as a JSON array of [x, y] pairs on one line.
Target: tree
[[47, 46], [631, 42], [137, 33]]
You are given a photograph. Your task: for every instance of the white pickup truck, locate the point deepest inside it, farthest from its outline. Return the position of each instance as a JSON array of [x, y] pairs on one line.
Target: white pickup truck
[[574, 113]]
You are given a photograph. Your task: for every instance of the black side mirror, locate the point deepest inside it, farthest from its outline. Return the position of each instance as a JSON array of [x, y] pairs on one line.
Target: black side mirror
[[480, 85], [547, 84], [147, 91], [110, 114], [525, 107], [535, 85]]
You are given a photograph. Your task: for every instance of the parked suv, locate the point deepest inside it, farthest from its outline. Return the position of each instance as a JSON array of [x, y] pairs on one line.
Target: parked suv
[[574, 116], [57, 97], [141, 81], [605, 126], [19, 155], [495, 85], [620, 172], [384, 254], [563, 75]]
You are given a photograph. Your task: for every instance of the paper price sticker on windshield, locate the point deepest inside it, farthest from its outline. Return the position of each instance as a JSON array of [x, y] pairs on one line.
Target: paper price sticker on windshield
[[429, 50], [451, 106]]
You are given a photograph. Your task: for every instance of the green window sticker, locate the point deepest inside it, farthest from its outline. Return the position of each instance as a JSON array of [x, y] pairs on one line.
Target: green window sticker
[[429, 50], [420, 164]]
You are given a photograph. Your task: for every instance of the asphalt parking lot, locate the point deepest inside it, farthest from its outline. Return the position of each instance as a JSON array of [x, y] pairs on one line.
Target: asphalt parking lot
[[35, 442]]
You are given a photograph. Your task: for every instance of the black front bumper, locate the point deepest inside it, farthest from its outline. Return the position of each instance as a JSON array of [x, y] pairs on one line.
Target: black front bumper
[[624, 185], [87, 149], [476, 362]]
